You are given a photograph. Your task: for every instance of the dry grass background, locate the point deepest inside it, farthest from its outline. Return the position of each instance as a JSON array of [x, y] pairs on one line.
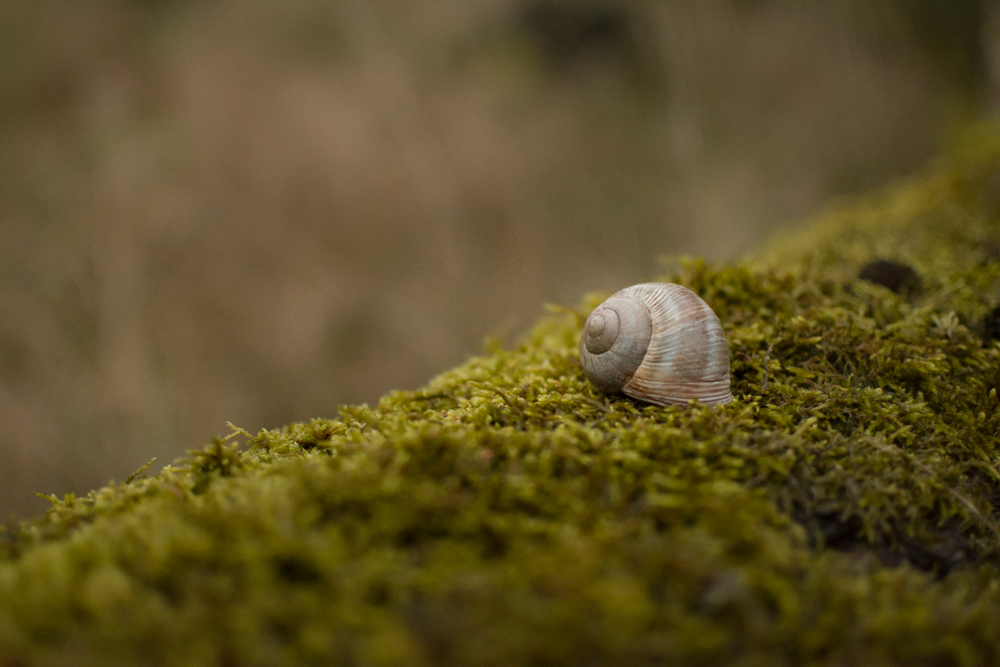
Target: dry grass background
[[256, 211]]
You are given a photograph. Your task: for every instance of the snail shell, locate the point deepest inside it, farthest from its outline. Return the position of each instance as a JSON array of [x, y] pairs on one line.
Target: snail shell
[[659, 343]]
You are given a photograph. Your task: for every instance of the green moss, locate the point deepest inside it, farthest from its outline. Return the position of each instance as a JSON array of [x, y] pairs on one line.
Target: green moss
[[842, 510]]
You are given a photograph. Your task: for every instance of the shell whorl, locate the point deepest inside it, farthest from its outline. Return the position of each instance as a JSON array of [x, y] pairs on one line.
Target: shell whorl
[[659, 343], [614, 342]]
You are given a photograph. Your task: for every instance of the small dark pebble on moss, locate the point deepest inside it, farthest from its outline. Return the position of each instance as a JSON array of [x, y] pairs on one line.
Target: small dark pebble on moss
[[899, 278]]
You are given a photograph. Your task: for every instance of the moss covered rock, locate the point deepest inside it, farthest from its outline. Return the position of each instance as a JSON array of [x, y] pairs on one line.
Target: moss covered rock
[[842, 510]]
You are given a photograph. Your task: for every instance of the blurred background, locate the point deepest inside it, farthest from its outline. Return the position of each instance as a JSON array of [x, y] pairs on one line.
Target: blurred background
[[255, 211]]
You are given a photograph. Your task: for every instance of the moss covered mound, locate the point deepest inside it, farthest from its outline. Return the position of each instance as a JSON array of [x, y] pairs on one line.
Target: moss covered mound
[[842, 510]]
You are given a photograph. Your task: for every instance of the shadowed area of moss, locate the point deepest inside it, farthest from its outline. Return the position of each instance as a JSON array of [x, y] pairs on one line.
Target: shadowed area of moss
[[843, 510]]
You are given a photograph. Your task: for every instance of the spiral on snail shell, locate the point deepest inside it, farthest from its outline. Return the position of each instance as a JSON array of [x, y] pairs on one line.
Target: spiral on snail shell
[[658, 343]]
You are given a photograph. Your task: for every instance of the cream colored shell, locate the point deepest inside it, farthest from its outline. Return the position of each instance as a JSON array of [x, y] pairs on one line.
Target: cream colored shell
[[659, 343]]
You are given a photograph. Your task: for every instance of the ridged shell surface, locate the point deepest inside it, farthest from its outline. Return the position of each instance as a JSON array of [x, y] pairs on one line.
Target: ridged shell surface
[[683, 356]]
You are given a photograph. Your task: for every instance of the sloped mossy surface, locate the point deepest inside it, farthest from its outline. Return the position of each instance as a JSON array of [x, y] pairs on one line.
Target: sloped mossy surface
[[843, 510]]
